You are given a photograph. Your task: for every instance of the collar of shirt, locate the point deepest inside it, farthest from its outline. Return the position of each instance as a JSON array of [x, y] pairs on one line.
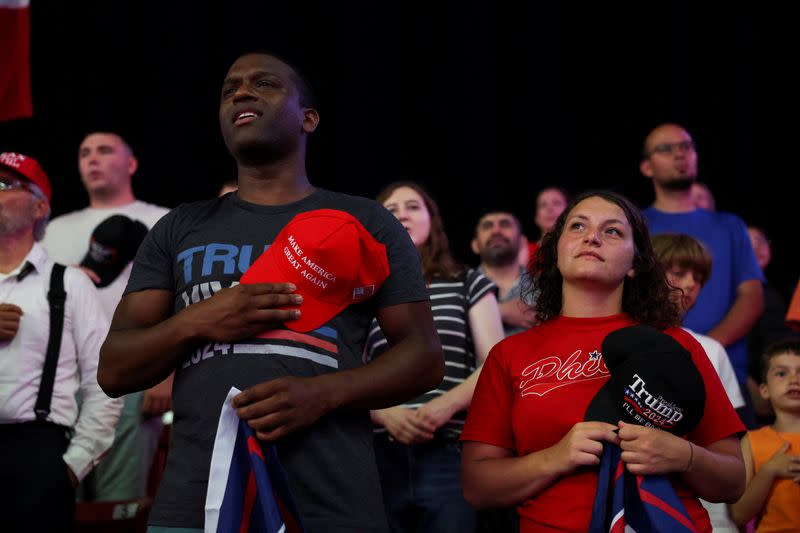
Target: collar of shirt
[[35, 261]]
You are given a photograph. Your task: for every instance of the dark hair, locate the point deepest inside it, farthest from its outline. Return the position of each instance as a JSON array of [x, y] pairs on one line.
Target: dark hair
[[791, 346], [645, 296], [304, 88], [684, 251], [498, 211], [567, 196], [102, 131], [646, 152], [435, 251]]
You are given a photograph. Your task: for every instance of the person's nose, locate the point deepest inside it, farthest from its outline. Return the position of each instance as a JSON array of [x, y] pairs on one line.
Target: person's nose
[[243, 93], [592, 236]]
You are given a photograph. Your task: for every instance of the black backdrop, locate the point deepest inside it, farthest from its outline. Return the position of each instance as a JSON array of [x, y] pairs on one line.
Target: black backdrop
[[483, 103]]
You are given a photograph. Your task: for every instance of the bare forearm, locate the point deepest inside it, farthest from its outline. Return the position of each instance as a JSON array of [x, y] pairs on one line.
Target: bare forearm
[[460, 396], [498, 482], [715, 477], [137, 359], [753, 499], [740, 317]]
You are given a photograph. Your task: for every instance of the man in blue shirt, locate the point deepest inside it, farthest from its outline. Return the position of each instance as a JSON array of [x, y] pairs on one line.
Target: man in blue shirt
[[732, 300]]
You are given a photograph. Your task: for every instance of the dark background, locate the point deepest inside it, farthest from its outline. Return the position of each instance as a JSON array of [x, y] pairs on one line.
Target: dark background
[[484, 104]]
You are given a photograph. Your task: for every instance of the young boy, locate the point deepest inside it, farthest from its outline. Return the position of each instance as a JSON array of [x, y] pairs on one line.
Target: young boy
[[688, 266], [772, 453]]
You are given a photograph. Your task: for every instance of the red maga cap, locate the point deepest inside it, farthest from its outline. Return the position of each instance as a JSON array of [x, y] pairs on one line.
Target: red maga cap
[[28, 168], [331, 258]]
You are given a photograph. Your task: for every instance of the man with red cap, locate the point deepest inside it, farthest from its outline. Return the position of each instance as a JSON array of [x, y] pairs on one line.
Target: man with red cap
[[49, 347], [290, 334]]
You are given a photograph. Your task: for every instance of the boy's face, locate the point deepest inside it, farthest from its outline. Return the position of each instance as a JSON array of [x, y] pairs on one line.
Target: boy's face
[[782, 388], [686, 280]]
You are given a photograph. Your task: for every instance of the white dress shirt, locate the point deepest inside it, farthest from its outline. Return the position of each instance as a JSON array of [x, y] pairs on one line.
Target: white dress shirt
[[22, 360]]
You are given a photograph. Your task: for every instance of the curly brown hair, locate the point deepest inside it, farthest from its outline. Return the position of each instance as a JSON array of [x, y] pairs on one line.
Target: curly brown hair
[[645, 296], [435, 251]]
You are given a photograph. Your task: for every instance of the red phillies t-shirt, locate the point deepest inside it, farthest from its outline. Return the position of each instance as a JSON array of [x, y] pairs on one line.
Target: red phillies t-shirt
[[537, 384]]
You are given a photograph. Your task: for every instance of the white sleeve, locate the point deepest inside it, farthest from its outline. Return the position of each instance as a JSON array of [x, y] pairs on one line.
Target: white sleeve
[[98, 415], [722, 363]]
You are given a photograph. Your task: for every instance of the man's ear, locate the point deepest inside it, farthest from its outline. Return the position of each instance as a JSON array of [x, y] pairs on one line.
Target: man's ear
[[133, 165], [310, 119], [646, 168], [474, 245], [41, 208]]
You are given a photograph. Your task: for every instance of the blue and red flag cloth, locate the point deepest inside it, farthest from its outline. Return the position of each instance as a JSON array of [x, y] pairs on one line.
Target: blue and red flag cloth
[[248, 491], [627, 503]]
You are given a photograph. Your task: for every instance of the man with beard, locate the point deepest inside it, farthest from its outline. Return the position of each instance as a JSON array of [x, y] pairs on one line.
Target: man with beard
[[307, 391], [732, 300], [498, 238], [49, 345]]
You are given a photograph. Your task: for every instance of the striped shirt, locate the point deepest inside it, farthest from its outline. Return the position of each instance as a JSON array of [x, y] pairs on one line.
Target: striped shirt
[[451, 300]]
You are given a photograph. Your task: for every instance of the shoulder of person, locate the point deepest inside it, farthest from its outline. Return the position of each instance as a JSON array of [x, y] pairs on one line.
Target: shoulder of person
[[373, 216], [525, 339], [76, 279], [190, 212], [65, 220], [705, 341], [364, 209], [152, 208], [476, 278], [685, 338], [726, 217]]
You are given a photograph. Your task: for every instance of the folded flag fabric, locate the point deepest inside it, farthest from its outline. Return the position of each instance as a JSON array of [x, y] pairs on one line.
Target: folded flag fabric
[[248, 491], [627, 503]]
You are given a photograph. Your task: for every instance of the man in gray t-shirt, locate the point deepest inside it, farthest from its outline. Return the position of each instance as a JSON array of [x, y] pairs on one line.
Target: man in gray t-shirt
[[309, 392]]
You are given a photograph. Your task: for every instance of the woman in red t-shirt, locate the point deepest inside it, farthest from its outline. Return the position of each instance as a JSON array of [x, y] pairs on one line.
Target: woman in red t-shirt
[[525, 441]]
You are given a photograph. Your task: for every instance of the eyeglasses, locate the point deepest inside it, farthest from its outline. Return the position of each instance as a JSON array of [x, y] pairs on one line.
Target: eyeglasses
[[13, 184], [669, 148]]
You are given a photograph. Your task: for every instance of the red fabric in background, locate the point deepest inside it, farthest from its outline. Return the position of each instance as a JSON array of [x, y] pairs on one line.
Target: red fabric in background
[[15, 78]]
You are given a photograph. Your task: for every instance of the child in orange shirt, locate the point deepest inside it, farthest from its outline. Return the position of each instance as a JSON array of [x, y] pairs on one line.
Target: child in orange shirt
[[772, 453]]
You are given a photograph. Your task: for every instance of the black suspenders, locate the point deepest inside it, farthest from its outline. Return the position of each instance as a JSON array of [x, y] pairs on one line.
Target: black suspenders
[[57, 298]]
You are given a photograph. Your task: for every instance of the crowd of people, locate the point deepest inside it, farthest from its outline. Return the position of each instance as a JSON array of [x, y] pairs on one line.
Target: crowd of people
[[403, 390]]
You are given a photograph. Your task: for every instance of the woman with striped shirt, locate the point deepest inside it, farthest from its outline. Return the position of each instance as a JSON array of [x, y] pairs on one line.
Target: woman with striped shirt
[[416, 444]]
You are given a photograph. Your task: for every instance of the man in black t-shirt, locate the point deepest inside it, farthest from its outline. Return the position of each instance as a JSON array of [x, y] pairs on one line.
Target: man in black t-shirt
[[309, 392]]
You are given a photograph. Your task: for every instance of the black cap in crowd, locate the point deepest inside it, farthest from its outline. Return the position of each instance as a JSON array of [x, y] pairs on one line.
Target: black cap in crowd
[[653, 382], [113, 245]]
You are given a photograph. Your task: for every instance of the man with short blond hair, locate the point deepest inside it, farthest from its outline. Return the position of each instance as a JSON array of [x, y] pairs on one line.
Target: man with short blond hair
[[107, 164]]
